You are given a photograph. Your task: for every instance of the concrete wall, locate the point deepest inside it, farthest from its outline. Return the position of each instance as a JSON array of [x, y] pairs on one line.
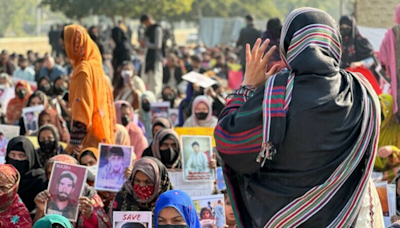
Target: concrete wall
[[376, 13]]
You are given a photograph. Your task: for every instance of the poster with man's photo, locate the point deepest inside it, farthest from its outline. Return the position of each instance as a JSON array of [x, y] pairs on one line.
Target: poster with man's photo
[[211, 210], [174, 116], [66, 185], [7, 132], [114, 159], [132, 219], [31, 117], [197, 154], [159, 109]]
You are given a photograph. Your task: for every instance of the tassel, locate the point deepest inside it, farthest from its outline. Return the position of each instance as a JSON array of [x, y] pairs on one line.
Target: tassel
[[267, 152]]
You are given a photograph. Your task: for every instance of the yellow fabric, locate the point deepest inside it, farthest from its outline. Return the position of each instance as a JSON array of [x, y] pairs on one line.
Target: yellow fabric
[[389, 136], [90, 96]]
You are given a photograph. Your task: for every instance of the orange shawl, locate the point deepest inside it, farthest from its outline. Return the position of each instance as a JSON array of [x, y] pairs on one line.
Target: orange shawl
[[90, 96], [15, 106]]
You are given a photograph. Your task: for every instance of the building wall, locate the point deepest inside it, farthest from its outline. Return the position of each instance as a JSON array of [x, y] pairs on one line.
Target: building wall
[[376, 13]]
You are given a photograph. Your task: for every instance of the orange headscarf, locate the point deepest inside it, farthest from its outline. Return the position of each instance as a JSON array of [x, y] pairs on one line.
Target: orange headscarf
[[90, 96], [15, 106]]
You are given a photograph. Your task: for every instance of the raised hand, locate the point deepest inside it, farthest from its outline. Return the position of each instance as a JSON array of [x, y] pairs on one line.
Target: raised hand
[[256, 63]]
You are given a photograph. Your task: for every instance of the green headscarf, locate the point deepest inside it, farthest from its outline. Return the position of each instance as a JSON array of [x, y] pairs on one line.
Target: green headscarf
[[49, 220]]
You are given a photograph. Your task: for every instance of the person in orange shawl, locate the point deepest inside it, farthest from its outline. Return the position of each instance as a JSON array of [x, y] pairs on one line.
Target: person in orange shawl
[[388, 157], [15, 106], [90, 96]]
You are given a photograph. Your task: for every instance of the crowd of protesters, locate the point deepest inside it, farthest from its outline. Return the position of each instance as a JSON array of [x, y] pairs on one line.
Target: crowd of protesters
[[94, 81]]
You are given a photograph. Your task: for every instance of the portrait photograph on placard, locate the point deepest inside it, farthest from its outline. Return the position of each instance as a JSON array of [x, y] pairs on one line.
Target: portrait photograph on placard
[[132, 219], [114, 159], [7, 132], [174, 116], [31, 117], [159, 109], [211, 210], [66, 185], [197, 154]]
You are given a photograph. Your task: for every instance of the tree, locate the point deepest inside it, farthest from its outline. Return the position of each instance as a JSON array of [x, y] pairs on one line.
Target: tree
[[73, 9], [13, 14]]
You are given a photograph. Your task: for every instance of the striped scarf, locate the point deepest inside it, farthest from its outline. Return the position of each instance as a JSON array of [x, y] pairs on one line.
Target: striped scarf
[[277, 98]]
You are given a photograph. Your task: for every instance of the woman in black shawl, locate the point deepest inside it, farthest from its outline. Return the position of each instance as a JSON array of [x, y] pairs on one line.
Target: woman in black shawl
[[357, 51], [149, 179], [298, 150], [123, 49], [49, 142], [22, 155]]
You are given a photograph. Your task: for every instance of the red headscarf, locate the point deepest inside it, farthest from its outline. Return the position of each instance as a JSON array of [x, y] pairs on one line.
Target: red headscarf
[[13, 212], [15, 106]]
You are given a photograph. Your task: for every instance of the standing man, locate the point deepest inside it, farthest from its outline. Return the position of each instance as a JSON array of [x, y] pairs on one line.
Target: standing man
[[248, 35], [152, 72], [219, 215]]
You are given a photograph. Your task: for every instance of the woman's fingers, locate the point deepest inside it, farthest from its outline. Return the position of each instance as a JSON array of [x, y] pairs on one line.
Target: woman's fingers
[[261, 50], [273, 70], [255, 49], [268, 55], [248, 53]]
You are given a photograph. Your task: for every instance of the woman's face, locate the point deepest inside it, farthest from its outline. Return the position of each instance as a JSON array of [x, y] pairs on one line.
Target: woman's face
[[127, 67], [43, 82], [156, 128], [125, 111], [35, 102], [46, 135], [46, 119], [17, 155], [201, 107], [206, 215], [230, 216], [166, 144], [88, 160], [170, 216], [142, 179]]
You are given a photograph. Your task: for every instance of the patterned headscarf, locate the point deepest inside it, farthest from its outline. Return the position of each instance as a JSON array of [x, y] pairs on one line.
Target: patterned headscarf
[[127, 200]]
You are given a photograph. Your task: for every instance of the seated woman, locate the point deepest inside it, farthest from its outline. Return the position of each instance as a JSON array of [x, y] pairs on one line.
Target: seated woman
[[54, 220], [50, 116], [388, 156], [36, 99], [166, 147], [49, 143], [13, 212], [175, 208], [124, 116], [145, 116], [125, 85], [91, 212], [201, 114], [22, 155], [89, 158], [158, 124], [122, 136], [45, 85], [15, 106], [149, 179]]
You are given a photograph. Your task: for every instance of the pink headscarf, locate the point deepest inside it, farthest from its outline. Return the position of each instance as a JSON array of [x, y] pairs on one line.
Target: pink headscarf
[[397, 15], [387, 57], [192, 121]]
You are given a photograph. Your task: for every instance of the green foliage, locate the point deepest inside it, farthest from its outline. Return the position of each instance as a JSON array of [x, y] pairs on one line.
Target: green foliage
[[14, 14]]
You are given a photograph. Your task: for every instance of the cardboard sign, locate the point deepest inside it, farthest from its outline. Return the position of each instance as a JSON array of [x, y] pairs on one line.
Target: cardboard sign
[[142, 219]]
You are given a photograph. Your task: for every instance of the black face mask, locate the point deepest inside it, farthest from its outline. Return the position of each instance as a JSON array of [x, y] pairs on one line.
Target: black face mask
[[125, 120], [168, 97], [47, 146], [201, 115], [21, 93], [21, 166], [146, 107], [168, 157], [173, 226], [45, 88], [60, 90], [345, 32]]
